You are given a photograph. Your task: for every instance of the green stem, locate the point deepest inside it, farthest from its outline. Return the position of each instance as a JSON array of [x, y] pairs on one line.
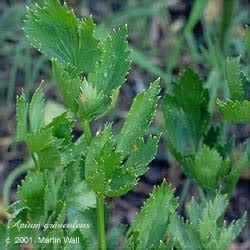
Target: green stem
[[100, 222], [34, 159], [12, 177], [87, 131]]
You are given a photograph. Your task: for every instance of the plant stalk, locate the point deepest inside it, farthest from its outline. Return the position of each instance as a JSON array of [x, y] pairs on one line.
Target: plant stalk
[[87, 131], [100, 222]]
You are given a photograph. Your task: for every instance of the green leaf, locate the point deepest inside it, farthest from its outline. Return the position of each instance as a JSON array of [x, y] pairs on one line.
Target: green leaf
[[111, 70], [55, 30], [184, 236], [61, 127], [52, 186], [193, 212], [21, 117], [203, 229], [37, 142], [186, 114], [240, 166], [103, 172], [50, 157], [148, 228], [206, 167], [91, 103], [81, 197], [228, 234], [142, 154], [31, 193], [235, 111], [139, 118], [233, 74], [89, 51], [207, 227], [83, 241], [36, 110], [68, 86]]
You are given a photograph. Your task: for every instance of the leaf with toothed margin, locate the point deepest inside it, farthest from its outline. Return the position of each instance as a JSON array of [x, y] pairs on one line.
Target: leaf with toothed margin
[[54, 181], [91, 104], [21, 117], [233, 74], [36, 110], [142, 154], [148, 228], [228, 234], [183, 234], [235, 111], [111, 70], [202, 229], [55, 30], [206, 168], [61, 127], [73, 152], [19, 216], [209, 216], [31, 193], [37, 142], [68, 86], [80, 197], [103, 172], [50, 157], [241, 165], [94, 173], [186, 114], [139, 118]]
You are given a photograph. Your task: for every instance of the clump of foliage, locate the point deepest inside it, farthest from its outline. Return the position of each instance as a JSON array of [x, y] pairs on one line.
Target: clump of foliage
[[71, 178]]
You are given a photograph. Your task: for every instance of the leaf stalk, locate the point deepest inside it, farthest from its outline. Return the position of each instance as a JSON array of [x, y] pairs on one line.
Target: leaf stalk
[[100, 222]]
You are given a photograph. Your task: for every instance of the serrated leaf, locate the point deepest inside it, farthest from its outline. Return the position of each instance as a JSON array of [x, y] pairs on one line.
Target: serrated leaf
[[233, 74], [103, 172], [68, 85], [183, 235], [148, 228], [21, 117], [206, 167], [83, 241], [55, 30], [203, 229], [235, 111], [53, 183], [37, 142], [50, 157], [61, 127], [111, 70], [240, 166], [210, 214], [186, 114], [31, 193], [193, 212], [228, 234], [91, 103], [81, 197], [36, 110], [139, 118], [142, 154], [89, 51]]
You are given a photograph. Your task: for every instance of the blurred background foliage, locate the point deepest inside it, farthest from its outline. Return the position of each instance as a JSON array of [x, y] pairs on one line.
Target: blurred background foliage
[[164, 36]]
